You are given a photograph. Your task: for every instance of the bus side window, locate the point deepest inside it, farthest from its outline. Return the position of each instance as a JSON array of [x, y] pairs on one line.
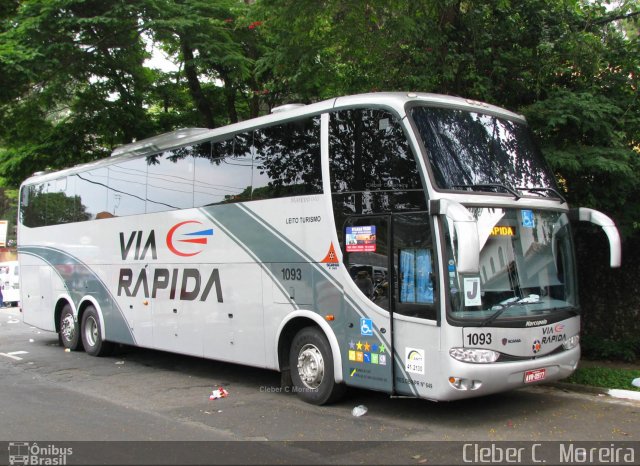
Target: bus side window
[[29, 206], [127, 183], [170, 180], [221, 176], [416, 276], [287, 160], [91, 192], [415, 263]]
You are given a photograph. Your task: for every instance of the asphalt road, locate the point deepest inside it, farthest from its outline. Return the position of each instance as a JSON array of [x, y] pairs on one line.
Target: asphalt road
[[136, 395]]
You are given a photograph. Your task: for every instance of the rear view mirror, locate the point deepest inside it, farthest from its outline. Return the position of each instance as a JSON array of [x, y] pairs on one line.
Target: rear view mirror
[[598, 218], [466, 229]]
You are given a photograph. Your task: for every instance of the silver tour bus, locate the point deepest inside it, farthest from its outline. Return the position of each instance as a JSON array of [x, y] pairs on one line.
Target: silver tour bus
[[415, 244]]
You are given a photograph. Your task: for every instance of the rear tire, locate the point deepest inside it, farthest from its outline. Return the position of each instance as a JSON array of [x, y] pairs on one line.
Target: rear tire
[[311, 363], [91, 331], [69, 335]]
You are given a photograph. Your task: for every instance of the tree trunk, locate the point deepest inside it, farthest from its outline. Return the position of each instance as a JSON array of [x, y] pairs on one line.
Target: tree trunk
[[195, 89]]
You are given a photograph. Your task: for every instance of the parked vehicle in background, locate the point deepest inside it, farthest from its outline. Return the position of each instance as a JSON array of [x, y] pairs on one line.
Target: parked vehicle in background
[[10, 283]]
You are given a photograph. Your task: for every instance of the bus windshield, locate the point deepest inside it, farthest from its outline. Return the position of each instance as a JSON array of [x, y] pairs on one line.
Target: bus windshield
[[526, 268], [477, 152]]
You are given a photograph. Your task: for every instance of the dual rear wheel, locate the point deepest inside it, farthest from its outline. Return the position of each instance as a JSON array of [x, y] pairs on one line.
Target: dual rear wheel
[[310, 356], [87, 334]]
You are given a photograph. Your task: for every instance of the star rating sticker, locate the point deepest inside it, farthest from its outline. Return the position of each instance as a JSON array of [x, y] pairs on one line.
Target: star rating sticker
[[382, 348], [374, 347], [359, 345], [367, 346], [352, 345]]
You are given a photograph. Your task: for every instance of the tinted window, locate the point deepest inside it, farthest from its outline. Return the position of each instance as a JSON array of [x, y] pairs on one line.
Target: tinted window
[[51, 203], [287, 160], [369, 152], [390, 259], [468, 150], [279, 161], [28, 205], [91, 189], [222, 176], [372, 169], [170, 179], [415, 262], [127, 188]]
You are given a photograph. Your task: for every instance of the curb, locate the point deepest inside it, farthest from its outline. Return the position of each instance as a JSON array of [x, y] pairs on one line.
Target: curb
[[613, 392], [626, 394]]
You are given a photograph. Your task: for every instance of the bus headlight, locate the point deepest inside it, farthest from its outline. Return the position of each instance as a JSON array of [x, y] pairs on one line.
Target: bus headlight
[[572, 342], [476, 355]]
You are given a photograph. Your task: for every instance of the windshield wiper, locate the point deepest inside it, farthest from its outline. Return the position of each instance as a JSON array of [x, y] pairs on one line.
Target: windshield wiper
[[499, 312], [522, 302], [545, 190], [490, 185]]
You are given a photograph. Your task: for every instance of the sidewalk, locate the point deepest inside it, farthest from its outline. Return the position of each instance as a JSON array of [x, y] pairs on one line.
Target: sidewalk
[[616, 393]]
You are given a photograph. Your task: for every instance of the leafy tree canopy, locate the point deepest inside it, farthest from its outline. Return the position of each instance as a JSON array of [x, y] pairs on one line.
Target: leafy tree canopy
[[75, 81]]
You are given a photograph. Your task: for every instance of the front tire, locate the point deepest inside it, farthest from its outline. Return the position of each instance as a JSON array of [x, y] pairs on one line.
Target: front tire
[[91, 331], [69, 331], [311, 363]]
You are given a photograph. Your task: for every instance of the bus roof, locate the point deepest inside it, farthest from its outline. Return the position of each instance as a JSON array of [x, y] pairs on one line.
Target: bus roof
[[187, 136]]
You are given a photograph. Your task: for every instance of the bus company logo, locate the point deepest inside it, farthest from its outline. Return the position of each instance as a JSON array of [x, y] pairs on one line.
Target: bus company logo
[[508, 341], [536, 347], [185, 284], [553, 334], [181, 239]]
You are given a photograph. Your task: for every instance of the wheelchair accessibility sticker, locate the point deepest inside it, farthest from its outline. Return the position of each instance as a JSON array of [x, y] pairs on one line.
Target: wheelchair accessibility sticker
[[528, 220], [366, 327]]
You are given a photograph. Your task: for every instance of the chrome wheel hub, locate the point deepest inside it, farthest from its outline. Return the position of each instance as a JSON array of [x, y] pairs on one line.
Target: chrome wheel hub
[[310, 366], [68, 327], [91, 331]]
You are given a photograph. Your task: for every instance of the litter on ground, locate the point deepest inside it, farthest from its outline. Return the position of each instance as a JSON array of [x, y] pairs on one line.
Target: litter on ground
[[359, 410], [218, 393]]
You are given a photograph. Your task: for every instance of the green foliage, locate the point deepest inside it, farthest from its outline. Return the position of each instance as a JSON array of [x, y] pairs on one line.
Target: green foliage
[[585, 139], [605, 377], [73, 71], [73, 83], [624, 349]]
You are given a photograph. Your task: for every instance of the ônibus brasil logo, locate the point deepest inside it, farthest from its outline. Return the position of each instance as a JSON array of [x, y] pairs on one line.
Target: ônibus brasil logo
[[184, 236]]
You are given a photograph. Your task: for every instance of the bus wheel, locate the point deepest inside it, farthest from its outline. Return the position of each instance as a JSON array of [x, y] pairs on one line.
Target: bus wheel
[[92, 334], [311, 364], [69, 332]]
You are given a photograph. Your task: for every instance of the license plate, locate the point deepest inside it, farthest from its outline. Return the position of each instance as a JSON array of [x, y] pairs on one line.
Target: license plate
[[534, 375]]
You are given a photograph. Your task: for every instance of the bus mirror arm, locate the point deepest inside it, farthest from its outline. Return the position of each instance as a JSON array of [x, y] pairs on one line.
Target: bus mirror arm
[[466, 228], [598, 218]]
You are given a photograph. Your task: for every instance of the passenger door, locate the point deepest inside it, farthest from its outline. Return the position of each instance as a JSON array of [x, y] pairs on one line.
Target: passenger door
[[368, 259], [391, 260]]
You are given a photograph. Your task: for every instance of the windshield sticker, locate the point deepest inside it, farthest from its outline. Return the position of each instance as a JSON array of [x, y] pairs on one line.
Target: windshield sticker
[[414, 360], [503, 231], [361, 239], [472, 291], [528, 220]]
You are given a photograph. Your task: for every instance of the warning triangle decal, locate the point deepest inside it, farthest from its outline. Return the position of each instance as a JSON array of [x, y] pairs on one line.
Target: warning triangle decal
[[331, 257]]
